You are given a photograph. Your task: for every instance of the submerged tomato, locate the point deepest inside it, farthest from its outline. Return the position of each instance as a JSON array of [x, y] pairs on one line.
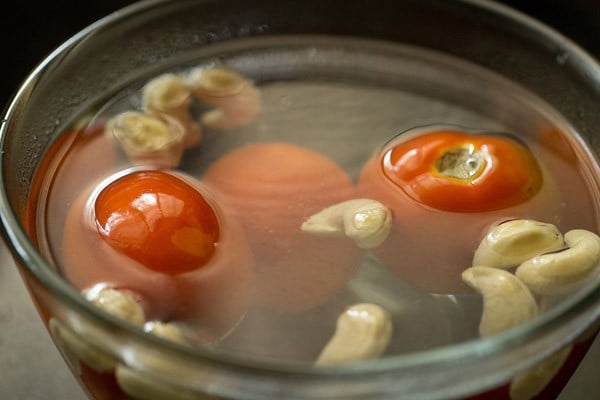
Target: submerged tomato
[[272, 188], [158, 220], [457, 171], [445, 188]]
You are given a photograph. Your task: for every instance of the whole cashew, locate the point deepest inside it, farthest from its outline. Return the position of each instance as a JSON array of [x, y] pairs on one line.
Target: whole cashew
[[513, 242], [362, 332], [120, 303], [236, 99], [564, 271], [169, 97], [147, 139], [367, 222], [507, 302], [530, 383]]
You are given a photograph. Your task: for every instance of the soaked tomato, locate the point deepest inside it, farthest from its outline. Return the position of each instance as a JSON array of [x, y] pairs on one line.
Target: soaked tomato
[[273, 188], [165, 237], [158, 220], [457, 171], [445, 189]]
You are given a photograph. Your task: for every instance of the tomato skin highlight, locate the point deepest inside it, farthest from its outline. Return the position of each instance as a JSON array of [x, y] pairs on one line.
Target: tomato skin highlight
[[506, 173], [158, 220]]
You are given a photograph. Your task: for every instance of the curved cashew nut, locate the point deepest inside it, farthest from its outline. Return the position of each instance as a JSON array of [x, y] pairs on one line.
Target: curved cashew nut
[[507, 302], [513, 242], [362, 332], [169, 97], [121, 304], [530, 383], [367, 222], [147, 139], [562, 272], [236, 98]]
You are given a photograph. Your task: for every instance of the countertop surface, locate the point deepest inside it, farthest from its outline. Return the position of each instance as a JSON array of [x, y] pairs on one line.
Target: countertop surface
[[30, 366]]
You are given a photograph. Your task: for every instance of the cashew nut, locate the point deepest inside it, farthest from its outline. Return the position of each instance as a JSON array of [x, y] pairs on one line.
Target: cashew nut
[[367, 222], [168, 96], [140, 386], [169, 331], [530, 383], [362, 332], [507, 302], [147, 139], [564, 271], [513, 242], [76, 349], [120, 303], [236, 99]]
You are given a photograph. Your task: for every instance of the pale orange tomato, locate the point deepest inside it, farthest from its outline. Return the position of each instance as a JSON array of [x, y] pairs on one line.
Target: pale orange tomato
[[273, 188]]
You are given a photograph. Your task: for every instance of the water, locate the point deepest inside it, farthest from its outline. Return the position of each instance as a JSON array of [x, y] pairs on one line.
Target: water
[[344, 99]]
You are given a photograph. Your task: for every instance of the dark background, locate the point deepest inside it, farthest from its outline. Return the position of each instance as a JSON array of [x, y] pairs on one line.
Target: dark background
[[34, 28]]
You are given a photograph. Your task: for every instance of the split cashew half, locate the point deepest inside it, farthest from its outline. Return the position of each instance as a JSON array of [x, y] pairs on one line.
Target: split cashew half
[[169, 96], [362, 332], [147, 139], [562, 272], [507, 302], [367, 222], [235, 97], [513, 242]]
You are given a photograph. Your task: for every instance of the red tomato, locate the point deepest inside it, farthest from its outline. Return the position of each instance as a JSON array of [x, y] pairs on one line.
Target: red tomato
[[439, 220], [457, 171], [158, 220], [210, 289]]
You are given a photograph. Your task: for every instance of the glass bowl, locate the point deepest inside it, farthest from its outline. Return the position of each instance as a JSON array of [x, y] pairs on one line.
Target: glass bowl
[[343, 80]]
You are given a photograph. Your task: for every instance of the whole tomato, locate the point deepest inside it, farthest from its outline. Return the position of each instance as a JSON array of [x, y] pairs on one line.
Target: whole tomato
[[165, 237], [445, 188], [272, 188]]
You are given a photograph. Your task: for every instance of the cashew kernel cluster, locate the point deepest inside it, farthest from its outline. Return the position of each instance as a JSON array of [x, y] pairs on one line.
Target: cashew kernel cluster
[[123, 304], [367, 222], [546, 263], [80, 346], [159, 134]]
